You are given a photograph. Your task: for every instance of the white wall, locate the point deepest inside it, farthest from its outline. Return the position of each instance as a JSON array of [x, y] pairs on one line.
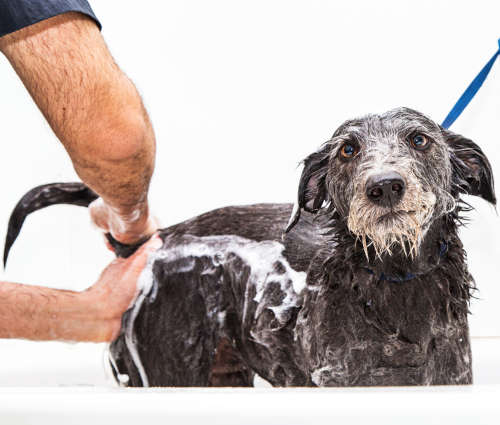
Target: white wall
[[239, 92]]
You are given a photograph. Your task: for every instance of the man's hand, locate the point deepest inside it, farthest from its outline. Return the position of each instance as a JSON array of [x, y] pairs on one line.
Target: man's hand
[[38, 313], [127, 228], [117, 287]]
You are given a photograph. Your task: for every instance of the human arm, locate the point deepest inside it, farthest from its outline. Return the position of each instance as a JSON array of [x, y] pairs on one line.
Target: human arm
[[39, 313], [95, 111]]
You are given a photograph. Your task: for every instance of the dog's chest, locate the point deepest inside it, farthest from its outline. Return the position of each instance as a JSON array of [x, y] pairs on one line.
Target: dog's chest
[[389, 334]]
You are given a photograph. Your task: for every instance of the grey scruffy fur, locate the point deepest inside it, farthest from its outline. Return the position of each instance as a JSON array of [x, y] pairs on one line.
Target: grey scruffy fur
[[387, 287]]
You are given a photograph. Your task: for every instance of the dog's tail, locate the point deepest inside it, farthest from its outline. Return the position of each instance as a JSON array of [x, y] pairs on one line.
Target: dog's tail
[[53, 194]]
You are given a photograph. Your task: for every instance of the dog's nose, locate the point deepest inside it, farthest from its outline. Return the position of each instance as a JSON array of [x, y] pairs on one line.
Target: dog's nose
[[385, 189]]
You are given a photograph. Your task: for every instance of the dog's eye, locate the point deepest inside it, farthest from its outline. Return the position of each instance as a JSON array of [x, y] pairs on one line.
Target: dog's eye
[[419, 142], [348, 150]]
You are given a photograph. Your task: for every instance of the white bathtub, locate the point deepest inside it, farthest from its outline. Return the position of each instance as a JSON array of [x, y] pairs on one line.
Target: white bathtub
[[67, 384]]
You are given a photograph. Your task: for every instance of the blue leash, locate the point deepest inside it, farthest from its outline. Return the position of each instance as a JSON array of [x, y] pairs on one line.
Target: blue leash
[[470, 92]]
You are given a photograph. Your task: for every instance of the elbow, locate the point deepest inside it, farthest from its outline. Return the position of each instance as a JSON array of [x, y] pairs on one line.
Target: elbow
[[123, 137], [120, 136]]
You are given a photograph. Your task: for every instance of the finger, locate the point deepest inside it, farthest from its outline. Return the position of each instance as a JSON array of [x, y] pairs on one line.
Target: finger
[[139, 259], [152, 225], [99, 214], [132, 228]]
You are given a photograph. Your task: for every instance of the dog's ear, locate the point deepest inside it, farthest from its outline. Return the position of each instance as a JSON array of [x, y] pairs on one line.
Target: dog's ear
[[312, 186], [472, 171]]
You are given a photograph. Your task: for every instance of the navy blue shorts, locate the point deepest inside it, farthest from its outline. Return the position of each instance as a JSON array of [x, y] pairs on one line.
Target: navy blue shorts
[[17, 14]]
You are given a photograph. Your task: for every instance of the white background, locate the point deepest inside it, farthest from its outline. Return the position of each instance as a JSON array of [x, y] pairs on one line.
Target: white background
[[239, 92]]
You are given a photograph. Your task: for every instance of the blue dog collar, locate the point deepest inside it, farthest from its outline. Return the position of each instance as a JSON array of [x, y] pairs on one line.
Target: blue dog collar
[[383, 276], [470, 92], [443, 249]]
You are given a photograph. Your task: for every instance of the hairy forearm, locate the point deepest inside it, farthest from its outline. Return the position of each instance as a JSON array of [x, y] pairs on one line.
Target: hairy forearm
[[92, 107], [38, 313]]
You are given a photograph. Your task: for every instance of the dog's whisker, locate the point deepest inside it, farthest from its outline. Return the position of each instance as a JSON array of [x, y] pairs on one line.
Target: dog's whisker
[[365, 247], [403, 245]]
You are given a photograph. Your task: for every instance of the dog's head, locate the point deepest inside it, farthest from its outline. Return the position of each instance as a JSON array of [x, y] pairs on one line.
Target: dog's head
[[390, 176]]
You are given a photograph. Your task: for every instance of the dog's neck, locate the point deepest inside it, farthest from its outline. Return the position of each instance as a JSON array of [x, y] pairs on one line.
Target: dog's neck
[[398, 266]]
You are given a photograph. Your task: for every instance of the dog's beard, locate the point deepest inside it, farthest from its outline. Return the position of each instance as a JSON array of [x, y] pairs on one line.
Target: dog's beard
[[386, 229]]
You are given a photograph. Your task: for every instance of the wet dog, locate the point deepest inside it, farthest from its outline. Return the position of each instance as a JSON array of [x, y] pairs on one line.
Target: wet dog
[[366, 284]]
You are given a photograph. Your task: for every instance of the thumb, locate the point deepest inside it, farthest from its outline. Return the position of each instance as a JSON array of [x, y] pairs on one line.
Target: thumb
[[137, 261]]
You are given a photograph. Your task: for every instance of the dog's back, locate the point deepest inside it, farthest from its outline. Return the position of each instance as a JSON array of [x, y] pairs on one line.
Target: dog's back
[[260, 222], [224, 300]]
